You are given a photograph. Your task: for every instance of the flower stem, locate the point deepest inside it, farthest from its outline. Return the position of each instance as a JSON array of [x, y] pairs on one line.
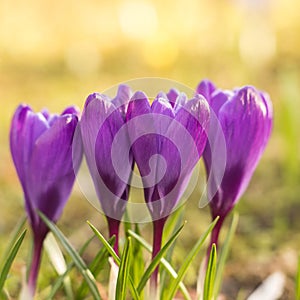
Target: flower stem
[[158, 227], [113, 229], [214, 238], [35, 264]]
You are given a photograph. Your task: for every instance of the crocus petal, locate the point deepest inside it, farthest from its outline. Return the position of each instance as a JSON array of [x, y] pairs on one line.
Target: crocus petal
[[269, 114], [26, 127], [194, 116], [100, 123], [122, 98], [138, 105], [143, 139], [42, 148], [246, 126], [111, 178], [51, 169], [172, 96], [73, 110], [160, 149], [206, 89], [218, 99], [188, 134], [46, 113], [180, 101], [246, 112], [161, 106]]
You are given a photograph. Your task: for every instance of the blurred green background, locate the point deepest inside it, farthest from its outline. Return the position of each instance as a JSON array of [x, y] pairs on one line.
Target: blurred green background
[[54, 53]]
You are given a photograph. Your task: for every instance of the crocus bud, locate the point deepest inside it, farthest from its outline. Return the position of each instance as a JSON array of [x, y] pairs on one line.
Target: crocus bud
[[167, 138], [104, 145], [42, 148], [245, 121]]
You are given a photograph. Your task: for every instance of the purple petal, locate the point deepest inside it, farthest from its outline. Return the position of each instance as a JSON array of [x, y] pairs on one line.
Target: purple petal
[[172, 96], [122, 98], [206, 88], [26, 127], [180, 101], [100, 123], [143, 138], [245, 123], [51, 169], [269, 121], [46, 113], [218, 99], [183, 148], [162, 106], [72, 110], [194, 116], [138, 105]]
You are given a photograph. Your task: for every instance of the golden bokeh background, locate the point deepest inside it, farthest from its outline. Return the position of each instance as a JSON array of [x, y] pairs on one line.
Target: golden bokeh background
[[54, 53]]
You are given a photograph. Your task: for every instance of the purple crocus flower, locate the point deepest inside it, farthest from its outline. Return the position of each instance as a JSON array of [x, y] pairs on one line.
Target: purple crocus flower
[[42, 150], [101, 120], [244, 118], [167, 138]]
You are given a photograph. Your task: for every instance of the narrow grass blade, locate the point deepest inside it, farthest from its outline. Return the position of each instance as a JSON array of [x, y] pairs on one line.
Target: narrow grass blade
[[57, 259], [105, 243], [80, 264], [15, 233], [60, 279], [298, 281], [10, 258], [164, 263], [138, 264], [157, 259], [95, 266], [182, 271], [111, 251], [224, 253], [173, 223], [208, 293], [124, 271], [4, 296]]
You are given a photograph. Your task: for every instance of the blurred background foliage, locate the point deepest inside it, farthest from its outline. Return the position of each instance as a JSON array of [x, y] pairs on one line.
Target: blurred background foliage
[[54, 53]]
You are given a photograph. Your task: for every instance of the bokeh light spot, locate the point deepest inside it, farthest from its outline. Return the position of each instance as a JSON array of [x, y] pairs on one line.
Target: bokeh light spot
[[138, 19]]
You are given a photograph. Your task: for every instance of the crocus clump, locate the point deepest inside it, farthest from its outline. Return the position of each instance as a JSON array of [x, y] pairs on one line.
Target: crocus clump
[[244, 120], [102, 119], [42, 150], [167, 138]]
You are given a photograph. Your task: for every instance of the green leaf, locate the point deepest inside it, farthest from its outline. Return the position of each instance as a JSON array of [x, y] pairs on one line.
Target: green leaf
[[10, 258], [124, 271], [111, 251], [224, 253], [174, 222], [57, 259], [209, 281], [95, 266], [164, 263], [137, 265], [156, 260], [16, 232], [4, 295], [80, 264], [188, 260], [60, 279], [102, 239], [298, 281]]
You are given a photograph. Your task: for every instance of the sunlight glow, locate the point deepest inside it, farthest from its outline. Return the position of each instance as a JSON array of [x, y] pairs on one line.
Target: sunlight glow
[[257, 44], [138, 19]]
